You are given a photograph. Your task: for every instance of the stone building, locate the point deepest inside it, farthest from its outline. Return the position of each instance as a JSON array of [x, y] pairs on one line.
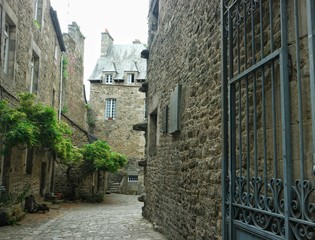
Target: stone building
[[231, 115], [31, 53], [74, 101], [118, 105], [73, 112]]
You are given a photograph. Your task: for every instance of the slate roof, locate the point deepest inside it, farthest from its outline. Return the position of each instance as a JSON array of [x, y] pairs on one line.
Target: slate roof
[[121, 59]]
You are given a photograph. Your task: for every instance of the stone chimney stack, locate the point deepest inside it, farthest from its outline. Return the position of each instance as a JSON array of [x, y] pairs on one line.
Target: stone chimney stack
[[76, 35], [107, 41], [136, 41]]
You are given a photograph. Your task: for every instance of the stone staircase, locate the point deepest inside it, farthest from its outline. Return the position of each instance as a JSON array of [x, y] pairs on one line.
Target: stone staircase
[[113, 187]]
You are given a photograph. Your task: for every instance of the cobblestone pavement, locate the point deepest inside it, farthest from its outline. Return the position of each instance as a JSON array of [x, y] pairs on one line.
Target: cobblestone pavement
[[119, 217]]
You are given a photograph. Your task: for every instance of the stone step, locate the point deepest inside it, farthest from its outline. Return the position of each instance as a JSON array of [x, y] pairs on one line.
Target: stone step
[[113, 187]]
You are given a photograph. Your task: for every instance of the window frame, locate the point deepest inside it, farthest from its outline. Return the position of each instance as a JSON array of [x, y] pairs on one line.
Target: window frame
[[130, 78], [133, 178], [108, 78], [29, 158], [110, 108], [34, 72], [38, 12], [6, 44], [9, 22]]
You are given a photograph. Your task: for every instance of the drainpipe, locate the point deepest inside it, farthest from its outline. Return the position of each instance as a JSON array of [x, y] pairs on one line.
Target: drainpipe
[[2, 147], [2, 166], [60, 87], [52, 181]]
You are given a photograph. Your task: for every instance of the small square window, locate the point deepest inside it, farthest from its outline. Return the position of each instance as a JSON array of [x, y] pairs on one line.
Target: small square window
[[133, 178]]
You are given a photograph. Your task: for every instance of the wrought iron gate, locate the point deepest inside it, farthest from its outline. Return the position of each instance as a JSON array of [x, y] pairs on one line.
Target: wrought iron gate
[[268, 99]]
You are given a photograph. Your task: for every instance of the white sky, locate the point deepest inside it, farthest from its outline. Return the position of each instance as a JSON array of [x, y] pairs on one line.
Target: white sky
[[126, 20]]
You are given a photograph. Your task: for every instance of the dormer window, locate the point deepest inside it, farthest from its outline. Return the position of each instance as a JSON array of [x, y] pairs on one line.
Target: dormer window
[[130, 77], [108, 78]]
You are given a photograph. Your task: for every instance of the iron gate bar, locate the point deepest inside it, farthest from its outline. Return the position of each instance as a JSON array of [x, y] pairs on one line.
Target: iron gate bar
[[259, 210], [242, 208], [252, 229], [254, 99], [232, 123], [224, 93], [299, 92], [285, 116], [262, 55], [273, 98], [311, 46], [271, 57], [228, 8]]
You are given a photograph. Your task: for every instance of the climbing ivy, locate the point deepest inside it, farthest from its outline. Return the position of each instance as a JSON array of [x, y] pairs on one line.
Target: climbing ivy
[[90, 117], [65, 68], [33, 124]]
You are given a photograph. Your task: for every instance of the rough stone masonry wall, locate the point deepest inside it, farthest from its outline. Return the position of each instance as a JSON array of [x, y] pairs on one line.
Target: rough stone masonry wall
[[79, 139], [130, 111], [183, 173], [73, 97], [28, 39]]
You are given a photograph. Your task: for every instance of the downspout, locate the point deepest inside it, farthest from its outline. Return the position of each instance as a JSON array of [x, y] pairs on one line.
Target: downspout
[[60, 87], [2, 166], [52, 181], [2, 146]]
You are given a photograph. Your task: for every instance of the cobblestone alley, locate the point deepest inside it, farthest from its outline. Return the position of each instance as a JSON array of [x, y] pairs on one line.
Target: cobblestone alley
[[119, 217]]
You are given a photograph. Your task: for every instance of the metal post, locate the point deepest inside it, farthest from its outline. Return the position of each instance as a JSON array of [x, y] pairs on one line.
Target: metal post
[[311, 47], [225, 146], [285, 116]]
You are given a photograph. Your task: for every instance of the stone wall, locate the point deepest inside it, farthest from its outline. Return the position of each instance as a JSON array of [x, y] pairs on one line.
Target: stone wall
[[80, 137], [183, 168], [183, 176], [128, 186], [73, 102], [119, 133], [130, 110], [26, 40]]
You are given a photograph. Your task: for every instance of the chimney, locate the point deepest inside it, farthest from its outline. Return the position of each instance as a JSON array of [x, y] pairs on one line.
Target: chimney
[[107, 41], [136, 41]]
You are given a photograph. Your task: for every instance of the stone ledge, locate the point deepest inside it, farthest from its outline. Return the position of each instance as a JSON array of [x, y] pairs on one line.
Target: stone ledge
[[142, 163], [140, 127]]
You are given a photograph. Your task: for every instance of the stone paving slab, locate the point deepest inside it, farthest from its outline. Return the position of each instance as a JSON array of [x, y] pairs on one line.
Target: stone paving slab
[[119, 217]]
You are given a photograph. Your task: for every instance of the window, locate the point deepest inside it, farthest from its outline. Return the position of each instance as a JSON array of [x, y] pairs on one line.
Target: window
[[164, 116], [108, 78], [153, 129], [38, 12], [34, 73], [6, 41], [130, 78], [145, 109], [110, 110], [174, 110], [154, 20], [133, 178], [56, 52], [29, 160], [53, 97], [8, 47]]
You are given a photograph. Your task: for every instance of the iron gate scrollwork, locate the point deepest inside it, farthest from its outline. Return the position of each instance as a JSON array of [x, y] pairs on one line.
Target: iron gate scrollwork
[[268, 100]]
